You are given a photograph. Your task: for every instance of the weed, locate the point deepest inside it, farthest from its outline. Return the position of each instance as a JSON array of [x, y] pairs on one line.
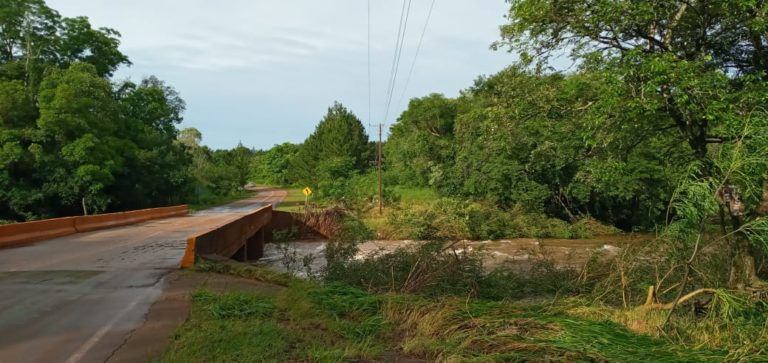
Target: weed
[[239, 306]]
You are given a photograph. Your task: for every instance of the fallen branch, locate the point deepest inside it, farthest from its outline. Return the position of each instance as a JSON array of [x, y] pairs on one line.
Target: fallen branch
[[649, 304]]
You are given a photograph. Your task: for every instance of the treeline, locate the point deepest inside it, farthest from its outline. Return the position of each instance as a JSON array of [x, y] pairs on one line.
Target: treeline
[[517, 140], [521, 138], [656, 124], [659, 121], [73, 140]]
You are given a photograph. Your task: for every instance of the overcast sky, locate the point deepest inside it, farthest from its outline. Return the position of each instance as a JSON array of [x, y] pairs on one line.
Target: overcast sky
[[264, 72]]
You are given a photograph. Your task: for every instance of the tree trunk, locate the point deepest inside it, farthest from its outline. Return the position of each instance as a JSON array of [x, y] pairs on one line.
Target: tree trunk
[[743, 271]]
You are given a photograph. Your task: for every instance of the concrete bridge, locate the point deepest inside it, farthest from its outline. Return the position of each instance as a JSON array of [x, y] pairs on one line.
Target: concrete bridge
[[73, 289]]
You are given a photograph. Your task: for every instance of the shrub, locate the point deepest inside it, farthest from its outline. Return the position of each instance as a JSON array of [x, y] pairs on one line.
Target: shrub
[[484, 222], [234, 305], [410, 222], [448, 218]]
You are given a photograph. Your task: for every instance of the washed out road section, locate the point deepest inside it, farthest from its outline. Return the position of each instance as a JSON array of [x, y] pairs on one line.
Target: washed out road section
[[77, 298]]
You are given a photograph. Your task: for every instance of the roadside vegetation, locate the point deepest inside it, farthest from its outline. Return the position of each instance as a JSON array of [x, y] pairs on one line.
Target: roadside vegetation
[[74, 140], [658, 125], [436, 303], [294, 200]]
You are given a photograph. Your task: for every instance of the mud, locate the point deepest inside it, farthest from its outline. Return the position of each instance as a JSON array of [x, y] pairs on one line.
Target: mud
[[564, 252]]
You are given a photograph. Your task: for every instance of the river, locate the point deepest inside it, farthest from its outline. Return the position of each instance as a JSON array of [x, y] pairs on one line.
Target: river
[[564, 252]]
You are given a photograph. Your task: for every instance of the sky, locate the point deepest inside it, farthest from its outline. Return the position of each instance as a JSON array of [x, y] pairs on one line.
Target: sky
[[265, 72]]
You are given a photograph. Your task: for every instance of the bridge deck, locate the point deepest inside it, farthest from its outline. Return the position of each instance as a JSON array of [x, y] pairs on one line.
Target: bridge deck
[[76, 298]]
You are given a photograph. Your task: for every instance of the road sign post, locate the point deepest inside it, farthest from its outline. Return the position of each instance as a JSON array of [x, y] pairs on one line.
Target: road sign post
[[307, 192]]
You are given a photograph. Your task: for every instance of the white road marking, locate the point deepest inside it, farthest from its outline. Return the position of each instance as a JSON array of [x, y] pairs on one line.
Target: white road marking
[[78, 355]]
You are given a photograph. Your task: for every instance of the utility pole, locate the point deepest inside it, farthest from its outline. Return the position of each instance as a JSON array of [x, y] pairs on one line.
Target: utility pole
[[378, 162]]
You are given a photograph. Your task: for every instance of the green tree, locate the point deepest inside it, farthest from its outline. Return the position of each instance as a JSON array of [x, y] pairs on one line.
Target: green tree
[[70, 140], [156, 167], [274, 166], [420, 145], [337, 149], [691, 70], [78, 113]]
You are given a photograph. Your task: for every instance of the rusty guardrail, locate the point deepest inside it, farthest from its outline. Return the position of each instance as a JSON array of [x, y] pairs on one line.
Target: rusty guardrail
[[27, 232], [230, 238], [109, 220]]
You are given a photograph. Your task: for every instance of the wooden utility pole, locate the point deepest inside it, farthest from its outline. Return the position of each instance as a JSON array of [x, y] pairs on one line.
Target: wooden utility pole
[[378, 162]]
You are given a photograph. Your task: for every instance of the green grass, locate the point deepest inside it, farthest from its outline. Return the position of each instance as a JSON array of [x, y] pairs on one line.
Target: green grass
[[408, 196], [214, 201], [294, 201], [292, 326], [415, 194], [338, 323]]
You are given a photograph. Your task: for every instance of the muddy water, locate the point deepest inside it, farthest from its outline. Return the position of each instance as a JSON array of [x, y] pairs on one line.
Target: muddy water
[[564, 252]]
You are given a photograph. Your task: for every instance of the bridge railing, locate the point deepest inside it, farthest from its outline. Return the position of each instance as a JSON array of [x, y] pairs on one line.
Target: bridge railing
[[27, 232], [242, 238]]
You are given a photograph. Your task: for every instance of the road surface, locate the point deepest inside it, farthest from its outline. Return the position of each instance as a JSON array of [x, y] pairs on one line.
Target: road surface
[[77, 298]]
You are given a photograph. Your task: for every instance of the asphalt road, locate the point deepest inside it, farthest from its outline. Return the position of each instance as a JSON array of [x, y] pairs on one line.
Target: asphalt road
[[77, 298]]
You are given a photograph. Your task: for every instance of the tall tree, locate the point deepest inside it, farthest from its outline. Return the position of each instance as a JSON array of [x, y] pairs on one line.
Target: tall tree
[[419, 147], [338, 148], [692, 69], [70, 139]]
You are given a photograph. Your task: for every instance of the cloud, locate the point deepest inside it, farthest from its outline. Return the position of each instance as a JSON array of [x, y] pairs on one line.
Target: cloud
[[265, 71], [229, 49]]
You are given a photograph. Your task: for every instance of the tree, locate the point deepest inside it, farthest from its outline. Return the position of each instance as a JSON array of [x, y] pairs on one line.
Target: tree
[[692, 70], [337, 149], [273, 166], [149, 113], [70, 140], [34, 36], [419, 148], [79, 115]]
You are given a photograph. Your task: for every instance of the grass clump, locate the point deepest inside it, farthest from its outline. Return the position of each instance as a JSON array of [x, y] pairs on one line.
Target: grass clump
[[459, 330], [439, 268], [234, 305], [298, 324]]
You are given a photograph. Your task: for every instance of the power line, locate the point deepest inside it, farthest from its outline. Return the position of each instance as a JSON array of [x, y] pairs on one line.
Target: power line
[[418, 48], [370, 97], [401, 31]]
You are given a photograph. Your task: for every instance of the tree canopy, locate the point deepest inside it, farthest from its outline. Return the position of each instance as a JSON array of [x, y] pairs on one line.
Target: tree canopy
[[338, 148], [72, 140]]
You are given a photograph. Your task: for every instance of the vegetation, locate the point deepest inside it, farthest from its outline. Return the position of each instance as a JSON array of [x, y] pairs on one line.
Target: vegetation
[[74, 141], [440, 318], [659, 125]]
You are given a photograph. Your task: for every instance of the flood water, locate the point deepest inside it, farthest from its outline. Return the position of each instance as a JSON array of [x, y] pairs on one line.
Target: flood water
[[564, 252]]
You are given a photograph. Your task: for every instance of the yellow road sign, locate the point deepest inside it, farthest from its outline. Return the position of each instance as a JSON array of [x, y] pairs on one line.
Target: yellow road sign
[[307, 191]]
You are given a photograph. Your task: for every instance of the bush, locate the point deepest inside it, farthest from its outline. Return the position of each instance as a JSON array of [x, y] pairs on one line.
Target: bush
[[448, 218], [485, 222], [359, 193]]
